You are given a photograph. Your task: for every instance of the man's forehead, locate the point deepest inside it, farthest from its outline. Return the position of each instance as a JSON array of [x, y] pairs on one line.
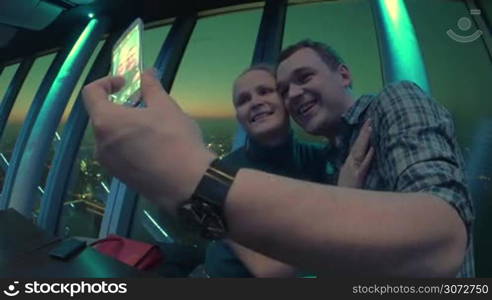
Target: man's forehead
[[302, 58]]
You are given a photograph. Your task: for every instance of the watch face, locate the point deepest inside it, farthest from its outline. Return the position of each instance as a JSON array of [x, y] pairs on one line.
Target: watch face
[[189, 218], [202, 218]]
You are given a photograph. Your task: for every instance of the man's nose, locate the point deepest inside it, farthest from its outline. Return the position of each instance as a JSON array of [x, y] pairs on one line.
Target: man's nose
[[294, 91]]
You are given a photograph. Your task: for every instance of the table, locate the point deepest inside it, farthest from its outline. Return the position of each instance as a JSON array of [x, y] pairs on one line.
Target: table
[[24, 249]]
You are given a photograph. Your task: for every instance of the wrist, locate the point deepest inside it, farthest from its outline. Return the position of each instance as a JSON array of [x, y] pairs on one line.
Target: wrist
[[196, 168], [203, 211]]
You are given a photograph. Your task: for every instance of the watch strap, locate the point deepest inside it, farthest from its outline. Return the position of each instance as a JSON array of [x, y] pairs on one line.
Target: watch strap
[[204, 212]]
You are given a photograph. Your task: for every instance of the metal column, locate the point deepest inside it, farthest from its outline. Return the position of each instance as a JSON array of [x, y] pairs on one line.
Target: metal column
[[400, 53]]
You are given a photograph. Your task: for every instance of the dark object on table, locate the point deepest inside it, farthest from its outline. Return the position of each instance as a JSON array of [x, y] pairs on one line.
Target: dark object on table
[[67, 249]]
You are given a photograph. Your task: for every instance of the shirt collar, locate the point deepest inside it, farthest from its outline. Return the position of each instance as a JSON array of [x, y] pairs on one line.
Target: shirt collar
[[353, 115], [350, 119]]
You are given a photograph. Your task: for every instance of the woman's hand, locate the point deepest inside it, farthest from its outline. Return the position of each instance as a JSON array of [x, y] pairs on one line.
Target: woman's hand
[[354, 170]]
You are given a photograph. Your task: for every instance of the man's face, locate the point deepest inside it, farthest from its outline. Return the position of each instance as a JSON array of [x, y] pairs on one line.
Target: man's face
[[314, 95], [258, 106]]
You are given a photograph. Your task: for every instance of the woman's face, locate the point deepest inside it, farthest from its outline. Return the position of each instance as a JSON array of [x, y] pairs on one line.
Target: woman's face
[[258, 106]]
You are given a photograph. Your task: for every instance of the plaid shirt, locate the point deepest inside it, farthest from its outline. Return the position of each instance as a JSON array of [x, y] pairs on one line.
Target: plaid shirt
[[415, 147]]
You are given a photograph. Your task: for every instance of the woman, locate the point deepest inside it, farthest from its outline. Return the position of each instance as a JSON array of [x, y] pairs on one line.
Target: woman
[[271, 147]]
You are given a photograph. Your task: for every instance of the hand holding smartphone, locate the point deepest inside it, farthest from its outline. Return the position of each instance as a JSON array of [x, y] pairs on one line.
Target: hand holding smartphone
[[127, 62]]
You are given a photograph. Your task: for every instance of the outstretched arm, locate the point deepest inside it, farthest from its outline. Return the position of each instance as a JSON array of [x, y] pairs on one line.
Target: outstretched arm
[[345, 231]]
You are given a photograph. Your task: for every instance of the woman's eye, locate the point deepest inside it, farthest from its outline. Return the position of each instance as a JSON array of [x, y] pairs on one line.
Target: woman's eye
[[265, 91], [242, 100]]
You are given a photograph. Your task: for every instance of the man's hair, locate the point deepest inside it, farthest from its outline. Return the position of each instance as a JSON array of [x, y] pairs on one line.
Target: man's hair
[[329, 56]]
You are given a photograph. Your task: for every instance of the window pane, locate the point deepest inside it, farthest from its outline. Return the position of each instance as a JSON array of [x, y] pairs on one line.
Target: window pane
[[86, 196], [219, 49], [152, 40], [217, 53], [22, 104], [348, 27], [5, 79], [459, 73]]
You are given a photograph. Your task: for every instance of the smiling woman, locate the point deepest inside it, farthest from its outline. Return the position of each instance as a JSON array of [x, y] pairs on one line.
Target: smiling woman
[[259, 108]]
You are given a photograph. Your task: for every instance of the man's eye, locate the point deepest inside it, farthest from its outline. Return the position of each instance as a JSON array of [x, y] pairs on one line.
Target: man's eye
[[304, 78]]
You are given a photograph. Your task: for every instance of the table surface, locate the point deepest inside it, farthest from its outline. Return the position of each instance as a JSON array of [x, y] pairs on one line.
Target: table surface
[[24, 252]]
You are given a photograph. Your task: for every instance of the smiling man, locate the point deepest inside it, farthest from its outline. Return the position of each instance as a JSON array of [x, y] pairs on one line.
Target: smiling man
[[416, 149], [415, 223]]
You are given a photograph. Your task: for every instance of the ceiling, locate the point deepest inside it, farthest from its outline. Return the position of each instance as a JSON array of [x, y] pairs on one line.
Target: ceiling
[[23, 37]]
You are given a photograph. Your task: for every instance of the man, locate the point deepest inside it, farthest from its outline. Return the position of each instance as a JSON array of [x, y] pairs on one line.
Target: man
[[320, 228], [415, 139], [271, 147]]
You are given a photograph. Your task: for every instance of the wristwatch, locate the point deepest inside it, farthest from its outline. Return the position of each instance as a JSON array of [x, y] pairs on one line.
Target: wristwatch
[[204, 211]]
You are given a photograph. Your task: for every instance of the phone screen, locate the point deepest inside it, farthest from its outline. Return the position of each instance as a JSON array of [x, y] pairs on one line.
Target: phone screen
[[127, 62]]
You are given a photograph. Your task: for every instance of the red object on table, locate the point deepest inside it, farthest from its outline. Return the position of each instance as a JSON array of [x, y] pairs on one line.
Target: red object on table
[[140, 255]]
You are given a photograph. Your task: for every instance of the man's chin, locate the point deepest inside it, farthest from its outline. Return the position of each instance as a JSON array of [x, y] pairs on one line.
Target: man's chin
[[311, 127]]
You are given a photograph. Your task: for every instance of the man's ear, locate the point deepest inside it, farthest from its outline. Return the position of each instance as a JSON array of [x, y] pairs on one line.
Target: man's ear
[[346, 75]]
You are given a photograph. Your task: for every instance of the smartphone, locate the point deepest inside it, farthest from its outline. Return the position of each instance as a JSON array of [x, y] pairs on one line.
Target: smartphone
[[127, 62], [67, 249]]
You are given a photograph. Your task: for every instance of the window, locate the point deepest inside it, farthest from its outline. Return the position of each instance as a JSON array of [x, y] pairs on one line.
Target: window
[[459, 73], [22, 104], [5, 79]]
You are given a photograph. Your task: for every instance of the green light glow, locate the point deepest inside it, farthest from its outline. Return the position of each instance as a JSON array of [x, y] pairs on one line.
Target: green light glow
[[68, 64], [393, 10], [91, 15], [157, 225], [403, 45]]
